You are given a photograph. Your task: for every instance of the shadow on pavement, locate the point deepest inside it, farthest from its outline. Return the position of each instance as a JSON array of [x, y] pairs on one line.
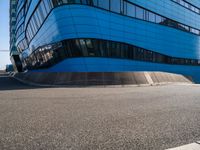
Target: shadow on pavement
[[9, 83]]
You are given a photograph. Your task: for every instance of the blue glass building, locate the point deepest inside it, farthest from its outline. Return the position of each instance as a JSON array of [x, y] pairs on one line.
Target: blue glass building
[[109, 36], [14, 54]]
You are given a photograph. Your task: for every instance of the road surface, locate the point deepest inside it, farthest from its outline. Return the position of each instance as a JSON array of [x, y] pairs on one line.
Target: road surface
[[135, 118]]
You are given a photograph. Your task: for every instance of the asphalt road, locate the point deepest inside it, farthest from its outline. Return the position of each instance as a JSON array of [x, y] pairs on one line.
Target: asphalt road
[[135, 118]]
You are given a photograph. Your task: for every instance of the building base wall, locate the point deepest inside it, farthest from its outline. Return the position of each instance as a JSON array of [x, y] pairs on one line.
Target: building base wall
[[97, 78], [120, 65]]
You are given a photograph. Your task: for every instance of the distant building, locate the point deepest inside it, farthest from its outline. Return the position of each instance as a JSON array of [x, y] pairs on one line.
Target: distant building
[[108, 35], [9, 68]]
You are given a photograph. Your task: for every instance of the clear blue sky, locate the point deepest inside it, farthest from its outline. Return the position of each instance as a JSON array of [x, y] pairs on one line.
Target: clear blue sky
[[4, 32]]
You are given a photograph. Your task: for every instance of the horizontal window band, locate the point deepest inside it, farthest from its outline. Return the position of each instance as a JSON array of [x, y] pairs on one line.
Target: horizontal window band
[[49, 55], [188, 5]]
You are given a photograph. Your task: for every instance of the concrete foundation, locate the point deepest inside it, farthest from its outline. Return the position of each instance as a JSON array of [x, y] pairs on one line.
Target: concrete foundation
[[104, 78]]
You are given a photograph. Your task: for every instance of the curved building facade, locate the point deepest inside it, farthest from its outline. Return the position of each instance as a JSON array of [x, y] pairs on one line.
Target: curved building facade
[[109, 36]]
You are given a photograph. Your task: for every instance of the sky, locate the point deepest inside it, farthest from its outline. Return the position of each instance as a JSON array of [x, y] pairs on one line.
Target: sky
[[4, 33]]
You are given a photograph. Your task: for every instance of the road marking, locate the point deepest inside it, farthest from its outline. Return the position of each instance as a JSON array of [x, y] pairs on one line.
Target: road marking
[[192, 146], [148, 77]]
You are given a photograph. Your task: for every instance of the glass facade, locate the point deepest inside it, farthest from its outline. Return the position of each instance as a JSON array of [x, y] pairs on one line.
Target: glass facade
[[12, 24], [164, 32], [188, 5], [122, 7], [14, 55]]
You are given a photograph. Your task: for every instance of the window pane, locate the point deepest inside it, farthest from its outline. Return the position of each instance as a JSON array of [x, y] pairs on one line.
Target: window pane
[[139, 13], [130, 10], [73, 1], [183, 27], [85, 2], [94, 2], [115, 5], [195, 31], [104, 4], [182, 2], [158, 19], [57, 2], [152, 17]]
